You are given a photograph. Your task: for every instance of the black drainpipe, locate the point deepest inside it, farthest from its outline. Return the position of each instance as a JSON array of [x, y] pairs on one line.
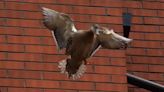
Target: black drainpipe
[[143, 83], [126, 23]]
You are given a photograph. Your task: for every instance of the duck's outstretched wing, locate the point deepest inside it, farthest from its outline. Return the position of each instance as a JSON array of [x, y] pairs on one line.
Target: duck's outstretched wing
[[111, 40], [61, 26]]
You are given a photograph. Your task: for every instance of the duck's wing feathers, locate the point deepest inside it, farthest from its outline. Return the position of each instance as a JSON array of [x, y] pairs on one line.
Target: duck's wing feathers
[[61, 26], [111, 40], [95, 47]]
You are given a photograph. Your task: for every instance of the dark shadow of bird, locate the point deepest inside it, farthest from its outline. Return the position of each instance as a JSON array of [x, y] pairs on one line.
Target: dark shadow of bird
[[79, 44]]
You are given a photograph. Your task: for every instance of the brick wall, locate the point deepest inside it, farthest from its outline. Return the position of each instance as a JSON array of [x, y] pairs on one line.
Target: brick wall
[[29, 58], [146, 55], [28, 54]]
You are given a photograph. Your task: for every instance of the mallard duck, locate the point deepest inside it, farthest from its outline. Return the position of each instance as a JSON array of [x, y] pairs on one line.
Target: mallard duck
[[79, 44]]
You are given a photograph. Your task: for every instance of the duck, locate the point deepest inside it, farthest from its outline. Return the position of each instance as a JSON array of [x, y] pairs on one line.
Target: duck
[[79, 45]]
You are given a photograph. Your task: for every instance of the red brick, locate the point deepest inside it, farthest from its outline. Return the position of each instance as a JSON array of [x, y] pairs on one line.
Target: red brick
[[2, 39], [3, 13], [42, 84], [116, 28], [53, 58], [99, 61], [58, 90], [156, 76], [80, 25], [110, 70], [114, 11], [137, 20], [136, 51], [89, 91], [4, 89], [119, 79], [90, 68], [73, 2], [13, 14], [36, 32], [22, 6], [11, 30], [2, 55], [11, 82], [60, 8], [12, 47], [38, 1], [80, 18], [106, 19], [106, 3], [160, 13], [77, 85], [24, 57], [153, 5], [118, 61], [48, 41], [2, 6], [24, 40], [2, 22], [162, 29], [11, 65], [96, 78], [142, 75], [24, 74], [147, 60], [150, 76], [40, 49], [111, 87], [140, 90], [145, 28], [14, 0], [155, 52], [3, 73], [23, 90], [30, 15], [153, 20], [162, 44], [137, 35], [129, 59], [154, 36], [156, 68], [146, 44], [138, 67], [23, 23], [110, 53], [132, 4], [58, 76], [143, 12], [41, 66], [88, 10]]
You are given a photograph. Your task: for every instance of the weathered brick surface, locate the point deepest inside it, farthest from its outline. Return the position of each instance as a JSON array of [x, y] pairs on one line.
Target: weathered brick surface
[[28, 54], [145, 57], [29, 58]]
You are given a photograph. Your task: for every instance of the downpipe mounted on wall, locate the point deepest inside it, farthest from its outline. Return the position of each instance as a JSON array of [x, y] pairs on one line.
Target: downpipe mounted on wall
[[126, 23], [132, 79]]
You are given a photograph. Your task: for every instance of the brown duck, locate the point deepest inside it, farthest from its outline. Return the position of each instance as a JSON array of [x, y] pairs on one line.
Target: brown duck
[[79, 44]]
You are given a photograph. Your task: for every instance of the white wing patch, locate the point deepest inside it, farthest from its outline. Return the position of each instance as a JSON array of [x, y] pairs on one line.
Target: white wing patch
[[74, 29]]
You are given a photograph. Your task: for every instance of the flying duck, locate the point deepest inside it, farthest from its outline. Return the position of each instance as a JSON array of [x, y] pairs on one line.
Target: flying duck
[[79, 44]]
